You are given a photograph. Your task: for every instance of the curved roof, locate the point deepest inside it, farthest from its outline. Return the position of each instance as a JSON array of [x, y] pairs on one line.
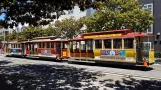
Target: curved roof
[[109, 31]]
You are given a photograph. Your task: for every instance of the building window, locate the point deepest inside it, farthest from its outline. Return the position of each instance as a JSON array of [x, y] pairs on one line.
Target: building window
[[107, 43], [98, 43], [128, 43], [117, 43], [150, 7]]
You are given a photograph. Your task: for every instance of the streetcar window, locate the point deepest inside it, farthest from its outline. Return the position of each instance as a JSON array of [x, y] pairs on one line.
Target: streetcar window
[[39, 45], [117, 43], [52, 44], [43, 45], [11, 45], [128, 43], [71, 45], [98, 43], [18, 45], [48, 45], [74, 44], [90, 45], [64, 46], [14, 46], [83, 45], [77, 47], [107, 43]]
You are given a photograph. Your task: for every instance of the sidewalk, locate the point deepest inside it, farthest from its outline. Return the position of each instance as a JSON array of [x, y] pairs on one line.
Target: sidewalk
[[158, 60]]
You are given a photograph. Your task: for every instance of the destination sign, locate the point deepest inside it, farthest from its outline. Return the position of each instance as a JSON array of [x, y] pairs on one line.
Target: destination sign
[[104, 35]]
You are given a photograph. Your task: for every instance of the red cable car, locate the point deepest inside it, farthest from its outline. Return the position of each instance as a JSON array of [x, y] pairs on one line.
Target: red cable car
[[50, 47]]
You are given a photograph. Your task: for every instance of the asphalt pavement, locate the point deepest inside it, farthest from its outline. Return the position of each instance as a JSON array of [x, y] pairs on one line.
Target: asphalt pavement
[[26, 74]]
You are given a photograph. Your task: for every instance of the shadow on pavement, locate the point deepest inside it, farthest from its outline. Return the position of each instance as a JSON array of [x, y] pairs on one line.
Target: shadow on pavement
[[98, 64], [45, 77], [4, 62], [141, 68], [60, 77], [132, 84]]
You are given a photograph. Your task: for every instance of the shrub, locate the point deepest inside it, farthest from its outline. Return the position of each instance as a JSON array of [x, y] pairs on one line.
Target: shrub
[[157, 54]]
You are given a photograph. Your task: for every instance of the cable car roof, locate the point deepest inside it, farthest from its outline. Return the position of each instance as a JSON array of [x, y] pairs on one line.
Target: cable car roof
[[109, 31], [47, 40], [47, 37], [127, 35]]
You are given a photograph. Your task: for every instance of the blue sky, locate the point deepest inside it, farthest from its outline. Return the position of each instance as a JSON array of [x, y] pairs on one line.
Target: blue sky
[[2, 16]]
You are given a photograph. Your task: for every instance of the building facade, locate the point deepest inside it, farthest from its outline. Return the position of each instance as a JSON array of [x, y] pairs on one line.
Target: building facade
[[155, 7]]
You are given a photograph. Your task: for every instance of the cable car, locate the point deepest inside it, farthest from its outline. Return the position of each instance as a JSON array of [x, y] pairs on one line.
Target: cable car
[[50, 47], [114, 47], [15, 48]]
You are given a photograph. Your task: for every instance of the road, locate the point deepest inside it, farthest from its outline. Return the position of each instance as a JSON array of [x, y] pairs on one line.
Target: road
[[25, 74]]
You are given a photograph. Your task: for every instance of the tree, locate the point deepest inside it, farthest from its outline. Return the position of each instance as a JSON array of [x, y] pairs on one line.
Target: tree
[[12, 36], [27, 33], [116, 14], [68, 27], [31, 32], [51, 31], [38, 12]]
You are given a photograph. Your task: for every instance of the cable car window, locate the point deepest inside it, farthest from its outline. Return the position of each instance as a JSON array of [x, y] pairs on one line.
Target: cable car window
[[11, 45], [48, 45], [74, 44], [90, 45], [14, 46], [77, 45], [52, 44], [19, 46], [71, 45], [40, 45], [107, 43], [117, 43], [43, 45], [128, 43], [98, 43], [64, 46], [83, 45]]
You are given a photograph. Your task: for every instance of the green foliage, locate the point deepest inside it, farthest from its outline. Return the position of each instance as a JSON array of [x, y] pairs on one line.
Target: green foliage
[[157, 54], [33, 11], [50, 31], [115, 14], [12, 36], [68, 27]]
